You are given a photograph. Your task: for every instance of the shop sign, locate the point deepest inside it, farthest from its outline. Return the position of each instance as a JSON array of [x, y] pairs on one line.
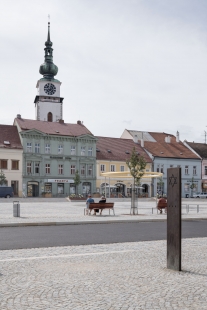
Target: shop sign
[[190, 181], [60, 181], [57, 157], [119, 181]]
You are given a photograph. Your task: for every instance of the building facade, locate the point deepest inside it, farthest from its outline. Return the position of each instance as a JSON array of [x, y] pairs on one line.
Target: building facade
[[112, 154], [11, 157], [201, 150], [168, 151], [53, 154]]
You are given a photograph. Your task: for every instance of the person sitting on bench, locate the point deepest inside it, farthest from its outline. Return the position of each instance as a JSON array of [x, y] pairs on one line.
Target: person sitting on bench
[[88, 201], [103, 200]]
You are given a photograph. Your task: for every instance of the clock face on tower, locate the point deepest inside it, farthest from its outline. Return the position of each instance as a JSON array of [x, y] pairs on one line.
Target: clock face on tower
[[49, 89]]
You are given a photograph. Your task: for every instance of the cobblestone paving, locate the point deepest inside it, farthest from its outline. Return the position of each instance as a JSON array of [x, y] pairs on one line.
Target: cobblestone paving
[[104, 277], [64, 211]]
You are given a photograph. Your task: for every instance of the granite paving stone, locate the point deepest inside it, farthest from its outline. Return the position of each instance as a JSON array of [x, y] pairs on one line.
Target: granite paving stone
[[113, 276]]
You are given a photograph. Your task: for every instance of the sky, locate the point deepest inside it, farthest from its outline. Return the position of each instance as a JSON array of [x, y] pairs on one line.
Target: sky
[[123, 64]]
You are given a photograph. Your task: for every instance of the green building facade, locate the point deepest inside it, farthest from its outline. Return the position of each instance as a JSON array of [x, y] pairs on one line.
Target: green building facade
[[51, 161]]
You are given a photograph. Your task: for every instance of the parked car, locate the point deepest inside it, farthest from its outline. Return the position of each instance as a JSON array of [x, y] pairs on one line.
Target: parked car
[[6, 191], [200, 195]]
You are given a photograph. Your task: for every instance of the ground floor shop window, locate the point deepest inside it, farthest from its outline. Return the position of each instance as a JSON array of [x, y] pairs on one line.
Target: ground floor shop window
[[60, 188], [86, 188], [48, 187], [72, 189], [186, 187]]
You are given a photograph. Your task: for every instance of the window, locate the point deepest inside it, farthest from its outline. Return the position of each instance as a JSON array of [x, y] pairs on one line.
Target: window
[[90, 169], [37, 167], [162, 169], [29, 168], [15, 165], [60, 188], [186, 187], [112, 168], [205, 172], [90, 151], [186, 169], [3, 163], [171, 166], [47, 148], [102, 168], [37, 147], [83, 169], [72, 169], [29, 147], [60, 149], [122, 168], [47, 168], [60, 169], [158, 168], [72, 150], [194, 170], [83, 150]]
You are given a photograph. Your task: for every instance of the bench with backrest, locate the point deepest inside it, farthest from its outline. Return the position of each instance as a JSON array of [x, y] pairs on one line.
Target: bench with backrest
[[101, 206], [162, 204]]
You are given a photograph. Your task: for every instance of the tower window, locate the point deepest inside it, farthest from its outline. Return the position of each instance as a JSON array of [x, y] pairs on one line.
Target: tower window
[[49, 117]]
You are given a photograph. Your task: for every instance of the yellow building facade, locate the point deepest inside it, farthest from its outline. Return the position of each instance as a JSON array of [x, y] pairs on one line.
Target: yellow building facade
[[119, 186]]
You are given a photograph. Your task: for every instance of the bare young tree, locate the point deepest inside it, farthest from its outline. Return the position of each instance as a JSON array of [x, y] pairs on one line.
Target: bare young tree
[[137, 165]]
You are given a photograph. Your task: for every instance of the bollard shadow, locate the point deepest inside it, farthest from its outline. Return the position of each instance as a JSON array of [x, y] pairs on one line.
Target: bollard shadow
[[194, 273]]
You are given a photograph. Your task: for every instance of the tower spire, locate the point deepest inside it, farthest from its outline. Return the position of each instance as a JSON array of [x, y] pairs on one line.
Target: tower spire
[[48, 69], [48, 34]]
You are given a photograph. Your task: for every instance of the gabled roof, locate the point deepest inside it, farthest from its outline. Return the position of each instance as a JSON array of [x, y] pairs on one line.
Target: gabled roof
[[173, 149], [9, 137], [53, 128], [118, 149], [199, 148]]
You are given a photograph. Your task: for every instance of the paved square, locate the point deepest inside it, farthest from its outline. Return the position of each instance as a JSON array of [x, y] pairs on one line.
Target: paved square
[[115, 276]]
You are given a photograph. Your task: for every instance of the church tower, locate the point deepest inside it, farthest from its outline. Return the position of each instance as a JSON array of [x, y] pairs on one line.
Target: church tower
[[48, 103]]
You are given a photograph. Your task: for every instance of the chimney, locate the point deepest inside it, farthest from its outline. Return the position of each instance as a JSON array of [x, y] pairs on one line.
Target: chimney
[[18, 115], [61, 121], [142, 142], [79, 122], [177, 137], [135, 139]]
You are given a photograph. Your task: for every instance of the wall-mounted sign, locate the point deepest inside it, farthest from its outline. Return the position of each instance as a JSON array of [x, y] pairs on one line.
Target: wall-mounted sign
[[60, 181], [190, 181], [57, 157]]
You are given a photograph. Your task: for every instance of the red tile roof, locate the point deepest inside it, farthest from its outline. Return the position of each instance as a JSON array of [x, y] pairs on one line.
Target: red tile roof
[[199, 148], [174, 149], [53, 128], [9, 133], [118, 148]]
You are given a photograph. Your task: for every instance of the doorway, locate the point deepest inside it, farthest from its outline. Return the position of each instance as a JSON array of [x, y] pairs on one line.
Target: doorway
[[32, 189]]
